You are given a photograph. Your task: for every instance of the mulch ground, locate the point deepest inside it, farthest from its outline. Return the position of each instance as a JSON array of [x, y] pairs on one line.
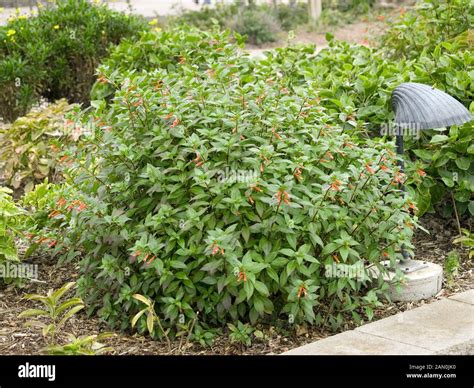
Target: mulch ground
[[15, 338]]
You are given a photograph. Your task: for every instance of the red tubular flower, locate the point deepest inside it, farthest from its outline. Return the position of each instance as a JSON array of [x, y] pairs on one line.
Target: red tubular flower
[[61, 202], [42, 239], [421, 173], [399, 177], [369, 169], [54, 213], [148, 263], [52, 244], [175, 122], [276, 134], [197, 161], [283, 196], [297, 173], [81, 207], [242, 276], [336, 185], [102, 80], [302, 291], [216, 249]]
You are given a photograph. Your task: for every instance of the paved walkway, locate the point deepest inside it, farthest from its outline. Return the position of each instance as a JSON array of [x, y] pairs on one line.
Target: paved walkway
[[442, 327]]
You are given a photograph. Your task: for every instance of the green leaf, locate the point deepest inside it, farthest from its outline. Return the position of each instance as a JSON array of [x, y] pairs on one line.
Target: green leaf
[[69, 314], [291, 238], [32, 313], [142, 299], [439, 139], [463, 163], [262, 288], [137, 317]]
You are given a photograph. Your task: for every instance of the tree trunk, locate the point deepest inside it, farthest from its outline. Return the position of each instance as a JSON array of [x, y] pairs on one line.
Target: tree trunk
[[314, 9]]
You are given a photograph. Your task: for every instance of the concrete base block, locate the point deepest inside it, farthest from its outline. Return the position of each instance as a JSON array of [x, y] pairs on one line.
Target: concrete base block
[[420, 284]]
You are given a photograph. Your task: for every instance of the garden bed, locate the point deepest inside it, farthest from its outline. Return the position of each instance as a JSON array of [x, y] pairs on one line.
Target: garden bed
[[204, 198], [17, 339]]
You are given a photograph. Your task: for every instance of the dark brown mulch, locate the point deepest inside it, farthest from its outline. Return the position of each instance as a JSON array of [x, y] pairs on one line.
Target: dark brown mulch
[[15, 338]]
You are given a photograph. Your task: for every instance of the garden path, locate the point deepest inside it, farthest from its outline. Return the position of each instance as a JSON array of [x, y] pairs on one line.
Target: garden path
[[442, 327]]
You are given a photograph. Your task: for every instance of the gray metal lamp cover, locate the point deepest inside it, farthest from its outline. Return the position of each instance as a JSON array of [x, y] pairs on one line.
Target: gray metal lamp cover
[[418, 106], [425, 107]]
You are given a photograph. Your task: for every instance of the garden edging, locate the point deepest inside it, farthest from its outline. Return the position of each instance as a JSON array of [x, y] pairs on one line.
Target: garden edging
[[442, 327]]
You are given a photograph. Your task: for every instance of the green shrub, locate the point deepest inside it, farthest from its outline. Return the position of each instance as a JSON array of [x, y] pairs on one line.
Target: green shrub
[[205, 193], [431, 23], [257, 25], [290, 16], [348, 5], [351, 80], [55, 53], [31, 148], [447, 160], [162, 49], [355, 83], [260, 22], [206, 17]]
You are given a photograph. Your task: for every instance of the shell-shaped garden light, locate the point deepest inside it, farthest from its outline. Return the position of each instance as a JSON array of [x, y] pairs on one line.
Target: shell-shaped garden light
[[425, 107]]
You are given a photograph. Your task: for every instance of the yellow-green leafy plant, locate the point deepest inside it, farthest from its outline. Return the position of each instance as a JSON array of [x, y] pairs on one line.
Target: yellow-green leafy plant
[[240, 333], [55, 312], [451, 266], [466, 240], [31, 147], [11, 221], [84, 345], [151, 317]]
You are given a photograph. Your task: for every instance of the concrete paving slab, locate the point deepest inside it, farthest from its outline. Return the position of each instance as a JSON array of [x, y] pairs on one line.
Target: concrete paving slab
[[465, 297], [436, 326], [356, 343]]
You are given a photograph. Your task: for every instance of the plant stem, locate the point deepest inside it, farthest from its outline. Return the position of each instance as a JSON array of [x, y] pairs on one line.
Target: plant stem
[[456, 214]]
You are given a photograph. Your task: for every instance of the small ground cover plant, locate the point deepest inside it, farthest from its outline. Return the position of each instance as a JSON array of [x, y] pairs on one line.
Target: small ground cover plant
[[52, 318]]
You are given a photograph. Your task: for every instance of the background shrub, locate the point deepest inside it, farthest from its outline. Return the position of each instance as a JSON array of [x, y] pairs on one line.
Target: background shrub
[[431, 23], [355, 84], [31, 148], [257, 25], [162, 49], [261, 23], [55, 53]]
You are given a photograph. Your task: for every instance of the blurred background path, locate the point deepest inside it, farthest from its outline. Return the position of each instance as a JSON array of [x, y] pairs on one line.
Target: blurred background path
[[147, 8]]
